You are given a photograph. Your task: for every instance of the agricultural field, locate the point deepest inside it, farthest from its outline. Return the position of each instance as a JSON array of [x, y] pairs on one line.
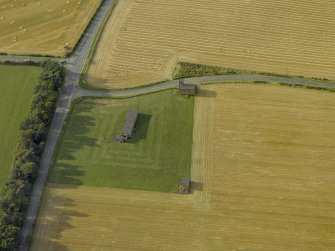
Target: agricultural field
[[157, 158], [143, 40], [263, 179], [43, 27], [16, 88]]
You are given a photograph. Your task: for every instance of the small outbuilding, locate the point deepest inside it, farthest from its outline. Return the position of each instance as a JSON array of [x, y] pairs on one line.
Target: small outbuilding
[[184, 186], [129, 126], [187, 89]]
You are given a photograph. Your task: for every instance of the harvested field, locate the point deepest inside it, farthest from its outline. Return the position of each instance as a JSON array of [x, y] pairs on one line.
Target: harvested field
[[16, 87], [156, 159], [117, 219], [43, 27], [264, 180], [144, 39]]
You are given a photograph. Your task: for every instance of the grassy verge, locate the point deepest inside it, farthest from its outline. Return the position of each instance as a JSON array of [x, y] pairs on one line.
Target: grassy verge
[[157, 158], [16, 87], [83, 83]]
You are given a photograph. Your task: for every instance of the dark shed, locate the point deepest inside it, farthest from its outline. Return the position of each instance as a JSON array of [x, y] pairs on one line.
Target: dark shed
[[185, 184], [129, 126], [187, 89]]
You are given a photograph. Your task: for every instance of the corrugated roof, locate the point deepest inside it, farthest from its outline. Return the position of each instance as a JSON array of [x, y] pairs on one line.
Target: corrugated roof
[[130, 122], [185, 181]]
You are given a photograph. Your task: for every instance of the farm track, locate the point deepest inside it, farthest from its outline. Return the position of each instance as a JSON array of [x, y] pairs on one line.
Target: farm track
[[79, 92], [71, 90]]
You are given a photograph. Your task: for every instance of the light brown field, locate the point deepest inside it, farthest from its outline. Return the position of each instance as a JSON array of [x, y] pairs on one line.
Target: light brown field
[[263, 167], [145, 38], [43, 26]]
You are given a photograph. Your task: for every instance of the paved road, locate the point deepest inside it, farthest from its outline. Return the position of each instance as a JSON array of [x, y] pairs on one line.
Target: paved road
[[75, 66], [199, 80]]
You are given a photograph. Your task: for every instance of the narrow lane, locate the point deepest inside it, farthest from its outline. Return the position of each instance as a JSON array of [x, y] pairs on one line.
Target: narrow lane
[[79, 92]]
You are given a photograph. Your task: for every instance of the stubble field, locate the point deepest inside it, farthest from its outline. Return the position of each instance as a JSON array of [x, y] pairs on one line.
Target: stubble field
[[263, 180], [16, 87], [43, 27], [144, 39]]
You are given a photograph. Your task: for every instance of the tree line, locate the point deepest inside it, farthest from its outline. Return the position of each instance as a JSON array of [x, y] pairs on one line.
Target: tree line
[[34, 131]]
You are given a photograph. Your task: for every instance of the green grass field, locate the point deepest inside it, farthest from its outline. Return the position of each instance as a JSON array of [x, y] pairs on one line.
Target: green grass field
[[157, 159], [16, 88]]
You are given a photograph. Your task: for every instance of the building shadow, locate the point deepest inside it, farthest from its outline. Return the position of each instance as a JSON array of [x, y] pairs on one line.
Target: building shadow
[[196, 186], [206, 93], [142, 126]]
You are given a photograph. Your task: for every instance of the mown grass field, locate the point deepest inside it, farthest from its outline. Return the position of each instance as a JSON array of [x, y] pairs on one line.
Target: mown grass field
[[143, 40], [43, 27], [16, 89], [157, 159], [263, 176]]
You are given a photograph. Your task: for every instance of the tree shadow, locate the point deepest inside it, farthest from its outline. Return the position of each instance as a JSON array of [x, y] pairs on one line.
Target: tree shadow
[[75, 138], [56, 219], [66, 174], [78, 138], [142, 126]]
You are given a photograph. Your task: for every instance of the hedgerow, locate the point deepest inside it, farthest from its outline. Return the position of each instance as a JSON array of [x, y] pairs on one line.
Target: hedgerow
[[34, 131]]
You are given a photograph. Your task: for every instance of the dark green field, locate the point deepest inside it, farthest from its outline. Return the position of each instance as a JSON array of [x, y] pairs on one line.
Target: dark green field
[[16, 88], [157, 159]]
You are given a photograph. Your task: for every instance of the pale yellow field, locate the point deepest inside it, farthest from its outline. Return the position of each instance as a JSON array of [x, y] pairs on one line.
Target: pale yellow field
[[145, 38], [43, 26], [263, 167]]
